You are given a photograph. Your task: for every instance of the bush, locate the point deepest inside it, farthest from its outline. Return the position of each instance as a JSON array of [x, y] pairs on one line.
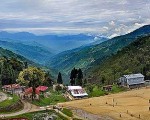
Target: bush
[[67, 112]]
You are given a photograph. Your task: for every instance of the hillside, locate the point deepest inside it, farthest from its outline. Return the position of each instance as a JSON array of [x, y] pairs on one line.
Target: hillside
[[134, 58], [10, 54], [35, 53], [90, 56]]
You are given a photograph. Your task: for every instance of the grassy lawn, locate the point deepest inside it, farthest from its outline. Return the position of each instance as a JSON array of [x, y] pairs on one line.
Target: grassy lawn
[[116, 89], [8, 102], [30, 116], [53, 99], [67, 112]]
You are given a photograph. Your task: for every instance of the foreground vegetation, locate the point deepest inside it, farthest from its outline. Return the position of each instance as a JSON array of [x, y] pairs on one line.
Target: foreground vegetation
[[67, 112], [97, 90], [54, 98], [11, 100], [11, 104], [38, 115]]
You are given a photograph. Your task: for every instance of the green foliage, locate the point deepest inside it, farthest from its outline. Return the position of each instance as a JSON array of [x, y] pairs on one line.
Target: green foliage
[[76, 77], [32, 77], [58, 88], [134, 58], [94, 90], [9, 102], [91, 56], [67, 112], [30, 115], [53, 99], [9, 70], [116, 89], [59, 79]]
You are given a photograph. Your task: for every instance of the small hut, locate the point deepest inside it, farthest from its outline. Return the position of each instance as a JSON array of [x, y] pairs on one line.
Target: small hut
[[107, 88]]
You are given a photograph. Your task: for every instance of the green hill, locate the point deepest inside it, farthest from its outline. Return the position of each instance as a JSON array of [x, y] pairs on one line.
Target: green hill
[[134, 58], [35, 53], [90, 56], [10, 54]]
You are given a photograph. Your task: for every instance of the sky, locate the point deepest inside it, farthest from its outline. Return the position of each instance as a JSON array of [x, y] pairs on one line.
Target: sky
[[101, 17]]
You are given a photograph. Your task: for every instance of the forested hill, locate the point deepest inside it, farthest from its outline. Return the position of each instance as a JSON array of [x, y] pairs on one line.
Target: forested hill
[[132, 59], [90, 56], [10, 54]]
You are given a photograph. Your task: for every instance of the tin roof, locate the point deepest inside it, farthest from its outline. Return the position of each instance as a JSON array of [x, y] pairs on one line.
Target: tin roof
[[134, 76]]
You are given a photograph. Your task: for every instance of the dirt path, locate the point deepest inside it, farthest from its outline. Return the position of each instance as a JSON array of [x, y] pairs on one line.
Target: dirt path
[[3, 96], [27, 108]]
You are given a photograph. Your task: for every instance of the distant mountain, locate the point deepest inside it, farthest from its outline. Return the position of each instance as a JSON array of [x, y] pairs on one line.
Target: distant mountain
[[35, 53], [54, 43], [90, 56], [10, 54], [134, 58], [41, 48]]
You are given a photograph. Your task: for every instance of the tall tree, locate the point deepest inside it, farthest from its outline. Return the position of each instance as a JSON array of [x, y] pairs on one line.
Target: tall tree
[[73, 77], [79, 77], [32, 77], [59, 79]]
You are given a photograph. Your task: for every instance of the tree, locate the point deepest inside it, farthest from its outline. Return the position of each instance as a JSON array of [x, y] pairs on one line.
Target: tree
[[9, 70], [25, 65], [85, 82], [79, 77], [48, 79], [73, 76], [59, 79], [31, 77]]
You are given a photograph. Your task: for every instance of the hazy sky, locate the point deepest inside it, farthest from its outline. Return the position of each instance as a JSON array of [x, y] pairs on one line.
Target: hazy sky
[[104, 17]]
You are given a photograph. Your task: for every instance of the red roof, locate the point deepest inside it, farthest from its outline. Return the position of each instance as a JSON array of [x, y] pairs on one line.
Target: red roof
[[12, 86], [42, 88], [30, 90]]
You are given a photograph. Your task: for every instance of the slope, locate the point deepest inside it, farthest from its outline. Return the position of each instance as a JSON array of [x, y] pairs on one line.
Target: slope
[[35, 53], [90, 56], [134, 58]]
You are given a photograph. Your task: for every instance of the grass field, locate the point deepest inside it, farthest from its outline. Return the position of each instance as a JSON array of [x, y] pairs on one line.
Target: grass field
[[121, 106], [53, 99], [8, 102]]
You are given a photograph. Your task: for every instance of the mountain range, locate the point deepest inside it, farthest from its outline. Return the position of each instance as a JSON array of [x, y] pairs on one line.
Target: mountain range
[[90, 56], [89, 52], [41, 48]]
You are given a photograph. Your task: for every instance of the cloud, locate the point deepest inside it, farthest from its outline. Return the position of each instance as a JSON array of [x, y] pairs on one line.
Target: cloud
[[76, 16], [112, 23]]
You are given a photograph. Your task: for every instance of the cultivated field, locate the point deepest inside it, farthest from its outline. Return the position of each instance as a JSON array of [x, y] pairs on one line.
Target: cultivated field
[[122, 106]]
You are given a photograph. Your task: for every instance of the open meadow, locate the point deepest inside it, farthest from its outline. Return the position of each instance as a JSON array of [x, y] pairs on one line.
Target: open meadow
[[130, 105]]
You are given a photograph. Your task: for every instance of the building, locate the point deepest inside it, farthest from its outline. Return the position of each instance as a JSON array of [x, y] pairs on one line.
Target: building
[[132, 80], [77, 91]]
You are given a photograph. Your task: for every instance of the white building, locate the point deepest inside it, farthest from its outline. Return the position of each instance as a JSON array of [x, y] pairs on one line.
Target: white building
[[132, 80], [77, 91]]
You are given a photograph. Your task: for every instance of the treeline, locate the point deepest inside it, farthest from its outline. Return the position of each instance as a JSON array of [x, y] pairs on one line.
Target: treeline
[[13, 71], [76, 77], [10, 69]]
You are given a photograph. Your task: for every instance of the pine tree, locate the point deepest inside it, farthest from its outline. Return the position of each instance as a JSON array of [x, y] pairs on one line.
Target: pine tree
[[79, 77], [73, 77], [59, 79]]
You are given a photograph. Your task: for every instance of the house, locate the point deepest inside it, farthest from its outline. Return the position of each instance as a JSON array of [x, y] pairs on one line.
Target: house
[[13, 88], [132, 80], [77, 91], [107, 88]]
